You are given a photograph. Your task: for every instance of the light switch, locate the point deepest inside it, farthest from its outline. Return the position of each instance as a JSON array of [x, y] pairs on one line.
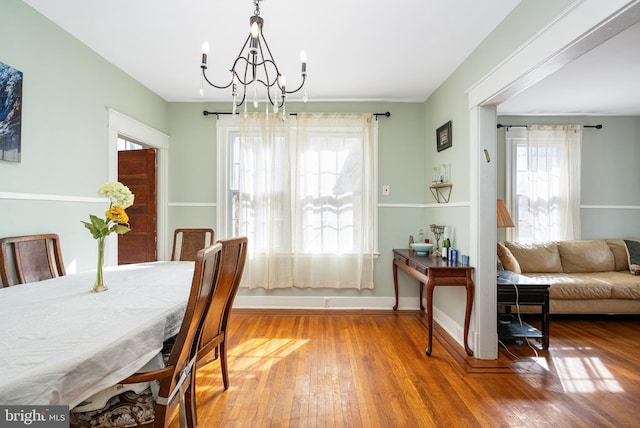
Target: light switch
[[386, 190]]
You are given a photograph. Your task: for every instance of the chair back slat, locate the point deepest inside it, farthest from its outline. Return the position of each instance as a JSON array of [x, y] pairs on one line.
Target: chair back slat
[[190, 241], [30, 258]]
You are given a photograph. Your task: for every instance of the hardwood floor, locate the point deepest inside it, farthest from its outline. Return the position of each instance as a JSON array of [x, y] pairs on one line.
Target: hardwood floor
[[369, 369]]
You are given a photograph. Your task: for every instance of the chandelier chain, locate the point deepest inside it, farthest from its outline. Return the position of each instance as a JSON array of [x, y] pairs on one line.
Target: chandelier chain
[[257, 4]]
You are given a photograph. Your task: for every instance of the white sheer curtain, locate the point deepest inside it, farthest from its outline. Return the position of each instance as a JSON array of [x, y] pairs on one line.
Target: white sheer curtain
[[544, 185], [306, 200], [265, 160]]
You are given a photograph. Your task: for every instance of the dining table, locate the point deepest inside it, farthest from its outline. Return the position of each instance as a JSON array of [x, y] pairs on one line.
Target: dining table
[[61, 342]]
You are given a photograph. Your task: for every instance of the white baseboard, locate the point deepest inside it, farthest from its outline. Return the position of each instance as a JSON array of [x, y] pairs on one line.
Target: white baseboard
[[454, 329], [293, 302]]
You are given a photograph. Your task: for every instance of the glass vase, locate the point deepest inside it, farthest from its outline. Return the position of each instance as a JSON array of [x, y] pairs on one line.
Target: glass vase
[[99, 285]]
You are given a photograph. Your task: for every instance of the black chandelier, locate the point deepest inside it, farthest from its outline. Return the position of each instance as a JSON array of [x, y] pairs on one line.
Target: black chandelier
[[254, 65]]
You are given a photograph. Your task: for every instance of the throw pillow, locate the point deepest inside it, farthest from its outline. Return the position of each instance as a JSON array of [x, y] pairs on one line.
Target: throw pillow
[[540, 257], [633, 252], [509, 262]]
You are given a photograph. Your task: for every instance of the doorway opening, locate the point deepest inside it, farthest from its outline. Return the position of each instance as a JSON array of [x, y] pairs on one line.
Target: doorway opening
[[577, 31], [121, 125], [137, 169]]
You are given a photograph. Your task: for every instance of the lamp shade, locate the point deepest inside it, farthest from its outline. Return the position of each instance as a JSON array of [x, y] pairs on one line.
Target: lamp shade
[[504, 219]]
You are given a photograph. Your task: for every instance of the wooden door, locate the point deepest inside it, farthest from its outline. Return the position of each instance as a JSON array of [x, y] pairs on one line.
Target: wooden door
[[137, 170]]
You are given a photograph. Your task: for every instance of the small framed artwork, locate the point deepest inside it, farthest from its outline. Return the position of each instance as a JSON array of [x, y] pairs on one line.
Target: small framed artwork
[[10, 113], [443, 137]]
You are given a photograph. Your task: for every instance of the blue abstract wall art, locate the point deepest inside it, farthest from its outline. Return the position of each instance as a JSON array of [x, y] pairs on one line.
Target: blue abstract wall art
[[10, 113]]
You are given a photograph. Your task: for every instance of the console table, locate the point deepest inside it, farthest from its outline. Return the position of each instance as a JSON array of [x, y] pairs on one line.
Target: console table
[[432, 272], [524, 291]]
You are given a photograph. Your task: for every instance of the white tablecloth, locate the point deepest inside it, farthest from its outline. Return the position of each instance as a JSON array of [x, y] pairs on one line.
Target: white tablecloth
[[60, 342]]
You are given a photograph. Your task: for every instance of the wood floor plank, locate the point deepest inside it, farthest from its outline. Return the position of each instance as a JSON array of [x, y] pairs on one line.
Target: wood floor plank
[[368, 369]]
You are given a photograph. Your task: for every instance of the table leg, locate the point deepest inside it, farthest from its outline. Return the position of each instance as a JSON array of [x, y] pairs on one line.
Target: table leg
[[430, 286], [467, 316], [545, 323], [395, 283], [421, 292]]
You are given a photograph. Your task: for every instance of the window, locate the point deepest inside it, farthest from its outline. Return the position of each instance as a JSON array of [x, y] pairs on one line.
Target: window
[[543, 183], [303, 191], [125, 143]]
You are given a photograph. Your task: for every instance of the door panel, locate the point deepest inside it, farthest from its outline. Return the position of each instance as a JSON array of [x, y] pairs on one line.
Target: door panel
[[137, 170]]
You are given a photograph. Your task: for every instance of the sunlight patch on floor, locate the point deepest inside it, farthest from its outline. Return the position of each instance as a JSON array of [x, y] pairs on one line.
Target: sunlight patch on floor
[[262, 354], [585, 375], [542, 362]]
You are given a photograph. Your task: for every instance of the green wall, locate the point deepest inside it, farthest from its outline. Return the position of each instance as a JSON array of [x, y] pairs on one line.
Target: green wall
[[66, 90], [450, 102], [401, 151], [610, 175]]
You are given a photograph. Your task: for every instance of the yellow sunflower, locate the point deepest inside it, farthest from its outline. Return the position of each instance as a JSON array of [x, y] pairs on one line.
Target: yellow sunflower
[[117, 214]]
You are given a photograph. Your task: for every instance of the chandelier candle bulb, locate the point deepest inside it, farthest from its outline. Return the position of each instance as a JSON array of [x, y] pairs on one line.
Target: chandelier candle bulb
[[205, 52], [253, 50], [303, 59]]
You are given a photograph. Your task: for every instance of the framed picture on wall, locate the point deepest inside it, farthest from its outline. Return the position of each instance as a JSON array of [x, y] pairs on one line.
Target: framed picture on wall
[[10, 113], [443, 137]]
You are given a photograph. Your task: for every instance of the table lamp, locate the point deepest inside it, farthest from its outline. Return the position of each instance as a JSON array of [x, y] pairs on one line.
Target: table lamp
[[504, 219]]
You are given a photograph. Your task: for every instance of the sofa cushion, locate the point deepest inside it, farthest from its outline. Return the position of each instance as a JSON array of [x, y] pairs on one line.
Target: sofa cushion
[[619, 250], [575, 286], [586, 256], [633, 251], [590, 286], [509, 262], [539, 257]]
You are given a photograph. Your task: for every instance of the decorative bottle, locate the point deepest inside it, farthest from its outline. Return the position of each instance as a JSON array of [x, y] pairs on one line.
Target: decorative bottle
[[446, 244]]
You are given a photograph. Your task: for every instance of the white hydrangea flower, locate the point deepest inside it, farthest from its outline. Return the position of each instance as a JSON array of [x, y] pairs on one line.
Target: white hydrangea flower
[[118, 194]]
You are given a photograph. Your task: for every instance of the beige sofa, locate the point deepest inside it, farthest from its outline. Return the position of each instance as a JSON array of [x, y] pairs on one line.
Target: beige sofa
[[586, 276]]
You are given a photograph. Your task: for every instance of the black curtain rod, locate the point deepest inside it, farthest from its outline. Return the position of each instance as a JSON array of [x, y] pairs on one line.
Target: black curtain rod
[[524, 126], [218, 113]]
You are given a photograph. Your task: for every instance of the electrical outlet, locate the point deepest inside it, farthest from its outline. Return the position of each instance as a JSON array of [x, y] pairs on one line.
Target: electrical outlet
[[386, 190]]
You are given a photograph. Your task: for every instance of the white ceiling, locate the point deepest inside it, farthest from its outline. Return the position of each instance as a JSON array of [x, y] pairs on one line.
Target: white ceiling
[[604, 81], [358, 50], [399, 50]]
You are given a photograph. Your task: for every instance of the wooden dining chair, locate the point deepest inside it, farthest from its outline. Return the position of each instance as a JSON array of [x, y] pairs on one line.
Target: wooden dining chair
[[30, 258], [177, 377], [214, 329], [187, 242]]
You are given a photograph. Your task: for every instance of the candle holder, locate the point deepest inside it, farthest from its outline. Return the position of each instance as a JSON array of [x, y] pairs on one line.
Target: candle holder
[[437, 233]]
